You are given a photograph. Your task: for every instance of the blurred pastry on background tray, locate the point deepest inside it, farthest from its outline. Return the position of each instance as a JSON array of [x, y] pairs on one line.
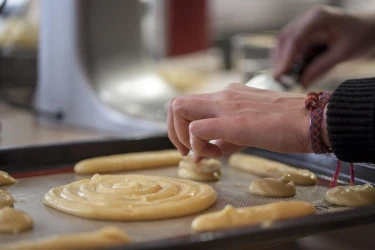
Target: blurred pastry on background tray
[[6, 179], [14, 221], [6, 199]]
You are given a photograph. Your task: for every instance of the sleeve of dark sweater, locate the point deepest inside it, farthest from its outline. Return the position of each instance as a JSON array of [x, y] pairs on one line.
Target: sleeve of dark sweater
[[351, 121]]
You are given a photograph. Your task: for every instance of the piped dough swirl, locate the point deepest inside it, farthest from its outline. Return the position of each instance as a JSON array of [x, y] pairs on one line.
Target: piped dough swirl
[[131, 197], [351, 196]]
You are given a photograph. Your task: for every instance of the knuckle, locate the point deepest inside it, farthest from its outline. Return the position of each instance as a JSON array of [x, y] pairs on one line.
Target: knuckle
[[193, 127], [227, 94], [237, 105], [233, 85], [296, 41], [178, 104], [171, 103], [318, 12]]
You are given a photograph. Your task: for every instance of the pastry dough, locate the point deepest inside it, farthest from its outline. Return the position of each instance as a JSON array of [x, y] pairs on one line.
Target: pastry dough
[[6, 179], [130, 161], [274, 187], [105, 237], [351, 196], [131, 197], [267, 168], [231, 217], [205, 170], [6, 199], [14, 221]]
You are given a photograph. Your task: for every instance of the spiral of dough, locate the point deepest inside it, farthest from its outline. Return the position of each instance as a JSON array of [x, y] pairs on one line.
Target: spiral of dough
[[131, 197], [351, 196], [274, 187]]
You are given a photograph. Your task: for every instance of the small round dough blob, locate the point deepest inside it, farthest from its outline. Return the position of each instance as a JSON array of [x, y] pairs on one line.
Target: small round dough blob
[[131, 197], [351, 196], [231, 217], [105, 237], [267, 168], [205, 170], [6, 199], [274, 187], [6, 179], [14, 221]]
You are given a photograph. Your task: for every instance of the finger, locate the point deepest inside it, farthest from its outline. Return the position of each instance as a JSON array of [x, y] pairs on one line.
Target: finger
[[202, 131], [198, 158], [322, 64], [172, 132], [202, 147], [189, 109], [228, 148], [182, 130]]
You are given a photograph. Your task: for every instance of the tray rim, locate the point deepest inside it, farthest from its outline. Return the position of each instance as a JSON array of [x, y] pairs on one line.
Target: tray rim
[[229, 238]]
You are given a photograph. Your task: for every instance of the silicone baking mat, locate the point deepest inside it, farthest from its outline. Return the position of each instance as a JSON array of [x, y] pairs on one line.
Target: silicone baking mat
[[232, 189]]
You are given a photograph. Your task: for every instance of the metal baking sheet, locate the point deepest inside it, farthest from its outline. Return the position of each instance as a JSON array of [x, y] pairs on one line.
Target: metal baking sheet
[[42, 171]]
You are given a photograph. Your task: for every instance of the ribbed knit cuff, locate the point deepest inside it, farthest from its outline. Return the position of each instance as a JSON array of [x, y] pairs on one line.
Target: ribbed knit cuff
[[350, 120]]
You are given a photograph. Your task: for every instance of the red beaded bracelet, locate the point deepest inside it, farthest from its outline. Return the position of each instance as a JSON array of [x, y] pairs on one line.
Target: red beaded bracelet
[[316, 102]]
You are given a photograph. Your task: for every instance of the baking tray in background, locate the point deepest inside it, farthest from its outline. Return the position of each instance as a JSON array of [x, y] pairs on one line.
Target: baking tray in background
[[40, 168]]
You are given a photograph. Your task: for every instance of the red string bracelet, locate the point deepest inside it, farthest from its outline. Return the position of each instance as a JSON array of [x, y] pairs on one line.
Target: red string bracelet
[[315, 102]]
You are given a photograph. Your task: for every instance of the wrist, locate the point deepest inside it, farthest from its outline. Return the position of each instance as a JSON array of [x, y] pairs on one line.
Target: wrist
[[324, 130]]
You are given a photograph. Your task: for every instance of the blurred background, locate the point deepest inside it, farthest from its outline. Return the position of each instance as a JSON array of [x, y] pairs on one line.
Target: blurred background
[[88, 69], [111, 66]]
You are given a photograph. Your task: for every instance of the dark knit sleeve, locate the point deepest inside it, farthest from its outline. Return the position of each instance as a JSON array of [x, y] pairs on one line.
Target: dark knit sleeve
[[350, 121]]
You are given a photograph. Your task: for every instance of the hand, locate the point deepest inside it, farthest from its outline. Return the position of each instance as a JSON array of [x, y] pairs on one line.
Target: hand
[[238, 117], [347, 37]]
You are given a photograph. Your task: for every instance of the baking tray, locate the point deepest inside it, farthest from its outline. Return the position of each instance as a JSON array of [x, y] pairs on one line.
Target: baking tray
[[40, 168]]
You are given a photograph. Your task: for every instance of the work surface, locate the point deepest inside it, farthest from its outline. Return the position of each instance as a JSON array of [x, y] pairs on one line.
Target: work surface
[[20, 128]]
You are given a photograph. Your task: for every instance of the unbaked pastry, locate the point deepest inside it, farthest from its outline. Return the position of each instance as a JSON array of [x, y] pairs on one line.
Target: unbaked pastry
[[14, 221], [231, 217], [6, 179], [130, 161], [6, 199], [351, 196], [105, 237], [205, 170], [131, 197], [267, 168], [274, 187]]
